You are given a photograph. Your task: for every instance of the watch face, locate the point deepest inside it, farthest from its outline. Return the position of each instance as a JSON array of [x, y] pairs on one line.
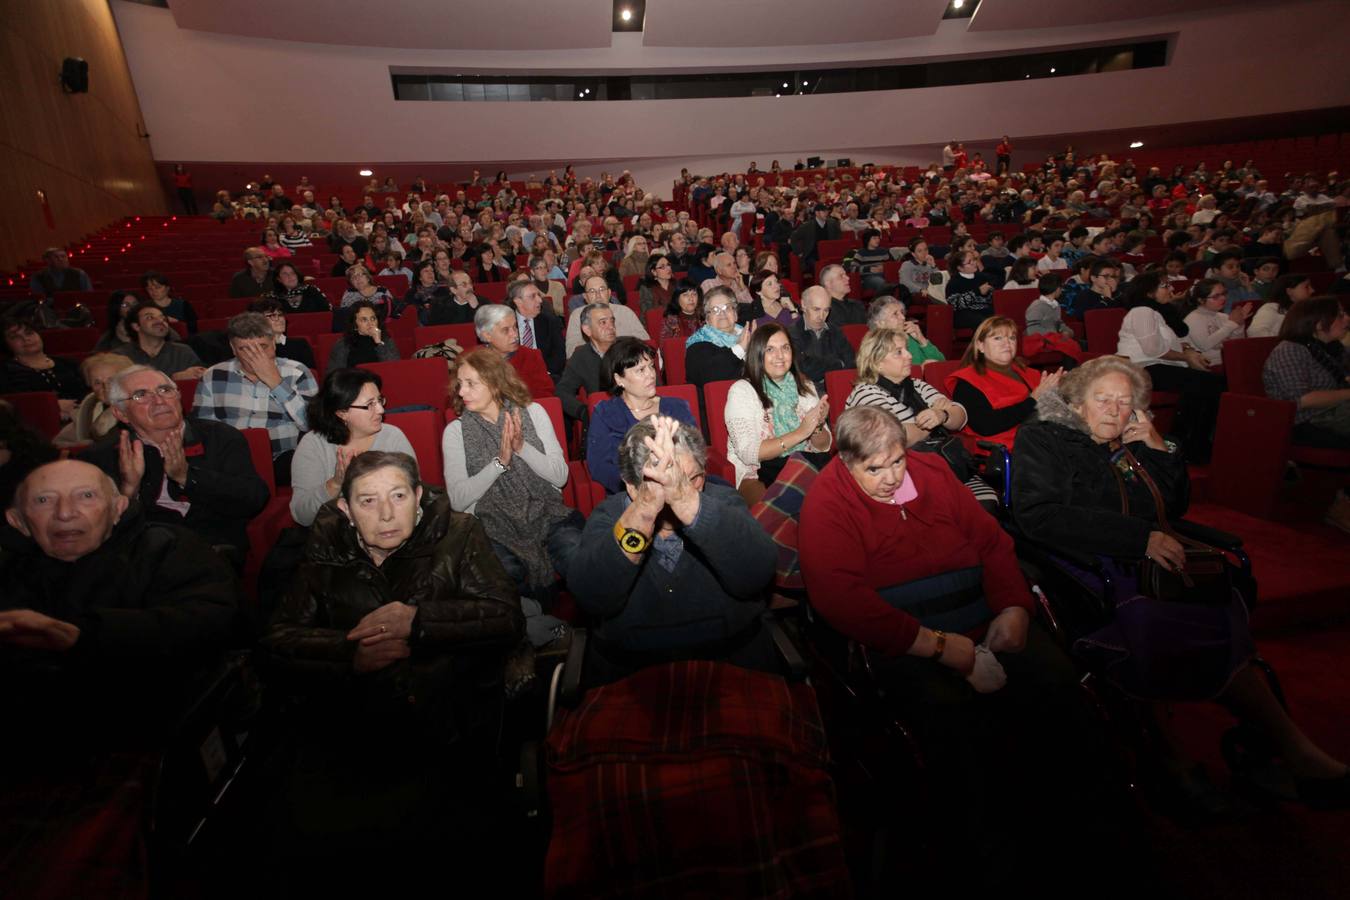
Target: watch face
[[633, 542]]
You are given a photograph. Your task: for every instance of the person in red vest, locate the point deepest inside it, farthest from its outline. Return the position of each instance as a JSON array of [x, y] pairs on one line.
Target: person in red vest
[[998, 394]]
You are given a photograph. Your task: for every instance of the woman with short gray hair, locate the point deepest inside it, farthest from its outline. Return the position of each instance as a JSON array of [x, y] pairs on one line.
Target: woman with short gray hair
[[672, 567]]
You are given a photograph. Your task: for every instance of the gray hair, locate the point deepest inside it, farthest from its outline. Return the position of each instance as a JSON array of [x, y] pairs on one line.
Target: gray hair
[[827, 271], [879, 307], [488, 316], [634, 452], [518, 287], [720, 291], [865, 431], [117, 392], [1074, 387], [589, 310], [248, 325]]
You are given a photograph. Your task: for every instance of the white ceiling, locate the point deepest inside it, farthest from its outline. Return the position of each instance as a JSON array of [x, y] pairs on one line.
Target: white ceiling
[[414, 24], [770, 23], [506, 25]]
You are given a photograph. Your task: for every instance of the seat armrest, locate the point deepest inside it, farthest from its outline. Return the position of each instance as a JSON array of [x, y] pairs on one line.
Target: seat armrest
[[792, 658], [569, 691]]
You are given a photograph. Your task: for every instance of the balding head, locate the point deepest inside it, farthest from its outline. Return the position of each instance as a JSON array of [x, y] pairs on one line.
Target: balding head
[[815, 307], [68, 508]]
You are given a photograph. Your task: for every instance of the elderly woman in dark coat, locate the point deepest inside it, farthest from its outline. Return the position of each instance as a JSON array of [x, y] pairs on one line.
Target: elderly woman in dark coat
[[391, 647], [1080, 484]]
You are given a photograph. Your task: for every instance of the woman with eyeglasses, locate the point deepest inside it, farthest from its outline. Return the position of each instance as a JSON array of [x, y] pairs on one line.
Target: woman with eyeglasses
[[654, 292], [346, 418], [716, 352], [1209, 325]]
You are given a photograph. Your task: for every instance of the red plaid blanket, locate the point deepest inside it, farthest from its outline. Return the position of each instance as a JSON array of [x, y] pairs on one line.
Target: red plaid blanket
[[694, 779], [777, 513]]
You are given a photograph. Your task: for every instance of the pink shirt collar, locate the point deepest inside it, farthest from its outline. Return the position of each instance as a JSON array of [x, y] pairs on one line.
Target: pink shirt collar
[[906, 492]]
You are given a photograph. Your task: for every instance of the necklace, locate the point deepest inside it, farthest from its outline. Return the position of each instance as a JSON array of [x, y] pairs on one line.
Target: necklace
[[637, 410]]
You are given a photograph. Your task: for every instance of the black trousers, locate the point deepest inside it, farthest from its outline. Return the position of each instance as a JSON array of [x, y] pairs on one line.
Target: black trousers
[[1198, 410]]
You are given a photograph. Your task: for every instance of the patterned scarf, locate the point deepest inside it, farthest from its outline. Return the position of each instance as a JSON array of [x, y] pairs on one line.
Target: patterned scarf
[[783, 395], [520, 507], [714, 335]]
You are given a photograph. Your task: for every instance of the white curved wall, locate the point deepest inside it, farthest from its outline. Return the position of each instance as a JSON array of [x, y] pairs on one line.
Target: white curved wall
[[208, 97]]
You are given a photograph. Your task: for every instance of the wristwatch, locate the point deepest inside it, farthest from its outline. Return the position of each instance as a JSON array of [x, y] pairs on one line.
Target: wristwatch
[[497, 461], [631, 540], [939, 643]]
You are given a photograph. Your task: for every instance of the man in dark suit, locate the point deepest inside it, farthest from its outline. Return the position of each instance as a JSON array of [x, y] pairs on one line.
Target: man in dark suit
[[808, 235], [539, 327]]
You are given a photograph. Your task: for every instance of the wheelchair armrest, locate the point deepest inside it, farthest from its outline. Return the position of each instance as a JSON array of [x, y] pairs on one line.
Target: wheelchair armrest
[[796, 665], [1212, 536], [570, 688], [1229, 543]]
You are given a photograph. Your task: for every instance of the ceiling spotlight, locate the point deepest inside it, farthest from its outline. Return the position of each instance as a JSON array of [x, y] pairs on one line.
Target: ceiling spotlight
[[1052, 70], [626, 14], [778, 95], [1135, 145], [582, 94], [365, 173], [1026, 76], [785, 84], [804, 83]]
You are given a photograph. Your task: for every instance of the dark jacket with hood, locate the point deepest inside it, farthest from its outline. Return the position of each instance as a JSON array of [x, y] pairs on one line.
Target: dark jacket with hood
[[1065, 495], [468, 620], [154, 605]]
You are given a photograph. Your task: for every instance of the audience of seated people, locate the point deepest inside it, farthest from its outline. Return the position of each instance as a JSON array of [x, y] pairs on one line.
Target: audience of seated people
[[415, 616]]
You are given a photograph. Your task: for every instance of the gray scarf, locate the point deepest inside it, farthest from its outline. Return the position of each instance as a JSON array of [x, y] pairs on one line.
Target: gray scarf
[[520, 507]]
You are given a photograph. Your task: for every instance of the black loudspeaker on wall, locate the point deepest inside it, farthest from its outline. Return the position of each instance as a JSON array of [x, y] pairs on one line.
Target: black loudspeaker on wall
[[75, 75]]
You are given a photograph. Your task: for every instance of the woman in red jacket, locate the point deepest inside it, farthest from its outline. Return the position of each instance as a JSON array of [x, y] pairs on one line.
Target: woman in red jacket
[[998, 394], [898, 556]]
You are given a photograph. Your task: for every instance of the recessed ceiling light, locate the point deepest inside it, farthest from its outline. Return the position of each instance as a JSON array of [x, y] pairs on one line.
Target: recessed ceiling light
[[785, 84], [1135, 145], [365, 173], [957, 4], [778, 95], [626, 14], [804, 83], [1052, 70], [582, 94]]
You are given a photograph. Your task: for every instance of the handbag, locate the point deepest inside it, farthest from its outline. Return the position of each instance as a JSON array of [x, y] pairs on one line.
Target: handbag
[[1204, 579], [939, 440]]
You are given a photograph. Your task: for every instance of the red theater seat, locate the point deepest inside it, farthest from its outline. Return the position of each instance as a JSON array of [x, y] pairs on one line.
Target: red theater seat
[[423, 429], [414, 382]]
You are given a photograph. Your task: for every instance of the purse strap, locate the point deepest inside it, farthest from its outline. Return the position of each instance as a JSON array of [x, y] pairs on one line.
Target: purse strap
[[1158, 506]]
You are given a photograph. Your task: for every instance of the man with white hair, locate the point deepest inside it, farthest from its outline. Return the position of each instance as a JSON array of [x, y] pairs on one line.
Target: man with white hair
[[495, 325], [107, 623], [184, 471]]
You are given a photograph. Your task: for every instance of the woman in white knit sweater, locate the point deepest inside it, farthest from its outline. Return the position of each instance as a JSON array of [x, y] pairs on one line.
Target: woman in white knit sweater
[[772, 412], [1209, 325]]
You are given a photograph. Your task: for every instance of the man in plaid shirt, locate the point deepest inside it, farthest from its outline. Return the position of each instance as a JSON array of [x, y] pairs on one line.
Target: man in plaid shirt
[[258, 390]]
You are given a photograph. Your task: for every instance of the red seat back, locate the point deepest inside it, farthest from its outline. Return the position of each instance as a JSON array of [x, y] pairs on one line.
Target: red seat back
[[64, 341], [306, 324], [939, 326], [1013, 304], [838, 385], [426, 335], [1243, 361], [187, 393], [715, 400], [260, 451], [936, 372], [686, 392], [1251, 444], [423, 429], [491, 291], [1103, 329], [854, 334], [39, 409], [228, 308], [672, 360], [323, 346], [414, 382]]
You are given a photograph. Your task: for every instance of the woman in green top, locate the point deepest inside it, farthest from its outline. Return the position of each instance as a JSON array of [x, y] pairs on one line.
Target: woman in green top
[[888, 312]]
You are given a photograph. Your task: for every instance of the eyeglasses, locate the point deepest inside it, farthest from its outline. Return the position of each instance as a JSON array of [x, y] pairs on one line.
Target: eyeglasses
[[378, 401], [274, 315], [718, 310], [144, 395], [596, 292]]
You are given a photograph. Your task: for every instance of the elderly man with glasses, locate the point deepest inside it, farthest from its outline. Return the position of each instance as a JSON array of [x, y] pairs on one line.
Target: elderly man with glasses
[[255, 279], [184, 470], [626, 322]]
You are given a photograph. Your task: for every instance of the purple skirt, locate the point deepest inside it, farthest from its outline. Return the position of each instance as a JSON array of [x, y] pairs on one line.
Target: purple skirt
[[1159, 650]]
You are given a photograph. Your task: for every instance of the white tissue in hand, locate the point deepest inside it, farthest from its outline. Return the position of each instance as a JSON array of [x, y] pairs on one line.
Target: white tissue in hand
[[988, 675]]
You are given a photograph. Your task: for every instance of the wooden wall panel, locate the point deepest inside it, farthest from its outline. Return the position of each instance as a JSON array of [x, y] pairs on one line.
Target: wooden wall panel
[[83, 150]]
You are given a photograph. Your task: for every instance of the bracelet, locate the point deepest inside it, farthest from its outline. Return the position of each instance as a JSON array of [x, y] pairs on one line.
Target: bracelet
[[497, 461], [939, 644], [782, 446], [946, 416]]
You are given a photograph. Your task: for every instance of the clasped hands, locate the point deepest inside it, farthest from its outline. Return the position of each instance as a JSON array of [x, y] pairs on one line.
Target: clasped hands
[[382, 636], [664, 481], [131, 460]]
